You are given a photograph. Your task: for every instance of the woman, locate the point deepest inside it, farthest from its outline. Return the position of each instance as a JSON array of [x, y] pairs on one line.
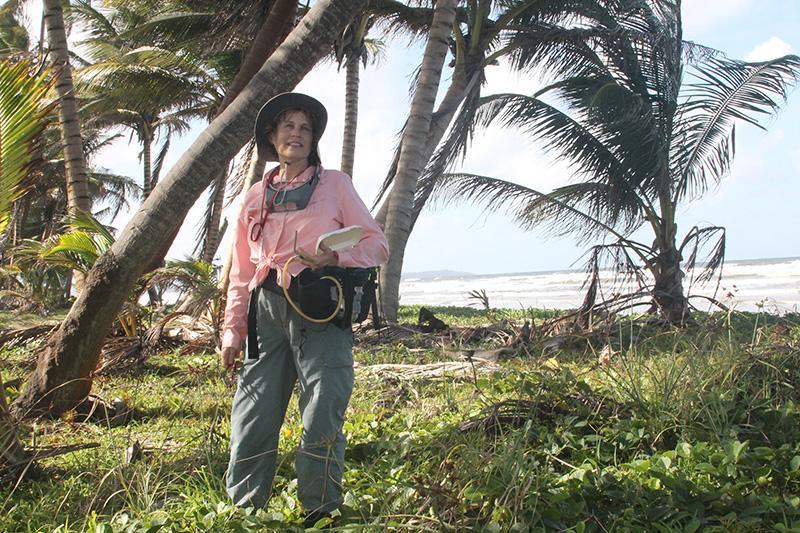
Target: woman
[[281, 219]]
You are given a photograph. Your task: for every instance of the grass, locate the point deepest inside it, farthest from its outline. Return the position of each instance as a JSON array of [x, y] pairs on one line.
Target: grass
[[679, 431]]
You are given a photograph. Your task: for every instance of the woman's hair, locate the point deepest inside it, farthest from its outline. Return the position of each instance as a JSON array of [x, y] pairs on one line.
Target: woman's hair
[[313, 157]]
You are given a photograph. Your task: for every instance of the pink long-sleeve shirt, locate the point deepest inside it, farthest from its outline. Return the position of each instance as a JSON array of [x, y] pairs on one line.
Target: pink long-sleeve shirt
[[333, 205]]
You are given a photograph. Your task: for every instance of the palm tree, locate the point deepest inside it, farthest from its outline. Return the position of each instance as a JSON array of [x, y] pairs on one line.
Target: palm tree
[[40, 268], [643, 139], [353, 49], [43, 203], [398, 219], [13, 35], [77, 187], [526, 34], [143, 88], [63, 374]]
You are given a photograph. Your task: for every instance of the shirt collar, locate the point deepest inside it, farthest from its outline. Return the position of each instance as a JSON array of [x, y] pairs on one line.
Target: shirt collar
[[298, 180]]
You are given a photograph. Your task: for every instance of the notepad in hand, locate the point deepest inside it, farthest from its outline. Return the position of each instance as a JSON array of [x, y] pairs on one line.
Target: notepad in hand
[[340, 239]]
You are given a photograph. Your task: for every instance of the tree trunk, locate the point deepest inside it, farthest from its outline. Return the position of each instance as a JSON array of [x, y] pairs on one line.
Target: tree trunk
[[669, 299], [439, 123], [410, 164], [78, 198], [266, 41], [147, 157], [11, 450], [350, 115], [63, 374], [77, 183]]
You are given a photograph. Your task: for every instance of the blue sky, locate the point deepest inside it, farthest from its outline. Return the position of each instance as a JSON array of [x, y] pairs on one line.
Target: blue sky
[[756, 202]]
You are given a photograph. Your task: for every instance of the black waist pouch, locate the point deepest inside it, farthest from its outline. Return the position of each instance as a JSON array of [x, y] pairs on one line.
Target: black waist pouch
[[318, 296]]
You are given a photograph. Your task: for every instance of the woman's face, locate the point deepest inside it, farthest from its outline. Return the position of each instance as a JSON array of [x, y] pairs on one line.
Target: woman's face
[[293, 137]]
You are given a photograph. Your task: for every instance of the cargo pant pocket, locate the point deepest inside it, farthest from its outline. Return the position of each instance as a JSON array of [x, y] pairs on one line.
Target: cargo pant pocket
[[337, 348]]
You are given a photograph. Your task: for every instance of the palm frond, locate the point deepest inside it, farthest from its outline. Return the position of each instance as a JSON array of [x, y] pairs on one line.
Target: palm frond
[[587, 152], [114, 190], [454, 148], [158, 163], [186, 274], [79, 248], [102, 234], [388, 180], [23, 118], [172, 29], [698, 238], [619, 257], [727, 91], [95, 21], [398, 19], [237, 179], [557, 213]]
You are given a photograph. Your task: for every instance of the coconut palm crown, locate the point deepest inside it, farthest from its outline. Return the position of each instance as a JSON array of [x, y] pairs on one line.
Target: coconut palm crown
[[646, 120]]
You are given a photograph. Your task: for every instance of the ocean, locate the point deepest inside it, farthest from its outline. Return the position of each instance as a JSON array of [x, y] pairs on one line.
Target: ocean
[[772, 285]]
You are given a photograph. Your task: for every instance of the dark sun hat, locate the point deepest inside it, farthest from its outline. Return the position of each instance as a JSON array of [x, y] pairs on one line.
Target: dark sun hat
[[273, 109]]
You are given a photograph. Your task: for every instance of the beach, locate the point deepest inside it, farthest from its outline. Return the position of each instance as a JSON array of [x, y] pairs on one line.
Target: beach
[[748, 285]]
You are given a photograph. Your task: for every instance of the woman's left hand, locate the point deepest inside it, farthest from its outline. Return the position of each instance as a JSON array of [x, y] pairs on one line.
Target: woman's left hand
[[325, 257]]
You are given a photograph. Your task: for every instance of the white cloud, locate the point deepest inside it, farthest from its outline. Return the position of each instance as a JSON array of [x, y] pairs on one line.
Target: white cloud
[[770, 49]]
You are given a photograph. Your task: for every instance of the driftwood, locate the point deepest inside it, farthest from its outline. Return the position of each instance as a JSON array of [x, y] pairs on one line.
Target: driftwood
[[492, 356], [456, 369]]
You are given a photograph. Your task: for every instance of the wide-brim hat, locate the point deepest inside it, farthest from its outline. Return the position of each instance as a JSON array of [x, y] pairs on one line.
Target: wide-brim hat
[[273, 109]]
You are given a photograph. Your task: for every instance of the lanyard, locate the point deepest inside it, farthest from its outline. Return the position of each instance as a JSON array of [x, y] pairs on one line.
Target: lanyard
[[270, 200]]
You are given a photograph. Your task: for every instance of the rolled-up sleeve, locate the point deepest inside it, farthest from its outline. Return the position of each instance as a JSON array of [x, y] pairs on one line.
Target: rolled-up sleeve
[[372, 249]]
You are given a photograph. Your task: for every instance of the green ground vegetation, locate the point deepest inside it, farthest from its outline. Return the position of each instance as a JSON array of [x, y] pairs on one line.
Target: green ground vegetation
[[638, 429]]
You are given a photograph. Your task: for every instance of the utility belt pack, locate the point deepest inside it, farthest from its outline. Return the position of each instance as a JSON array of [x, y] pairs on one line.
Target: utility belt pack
[[318, 297]]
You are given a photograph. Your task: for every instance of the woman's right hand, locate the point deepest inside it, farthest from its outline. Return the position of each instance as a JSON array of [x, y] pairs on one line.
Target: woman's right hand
[[228, 357]]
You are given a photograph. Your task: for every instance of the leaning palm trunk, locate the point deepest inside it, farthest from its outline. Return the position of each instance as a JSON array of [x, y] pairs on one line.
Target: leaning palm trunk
[[440, 121], [62, 377], [410, 164], [350, 114], [281, 16]]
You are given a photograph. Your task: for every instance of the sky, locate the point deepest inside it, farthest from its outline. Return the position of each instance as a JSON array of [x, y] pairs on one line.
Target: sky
[[755, 203]]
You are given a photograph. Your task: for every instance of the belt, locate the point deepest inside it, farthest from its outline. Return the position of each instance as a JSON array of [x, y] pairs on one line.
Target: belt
[[270, 284]]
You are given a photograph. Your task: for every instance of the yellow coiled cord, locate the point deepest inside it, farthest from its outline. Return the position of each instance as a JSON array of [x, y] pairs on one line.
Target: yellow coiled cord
[[296, 307]]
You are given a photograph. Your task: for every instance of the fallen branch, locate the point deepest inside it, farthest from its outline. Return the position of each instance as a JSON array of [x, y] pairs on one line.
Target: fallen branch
[[18, 337], [459, 369]]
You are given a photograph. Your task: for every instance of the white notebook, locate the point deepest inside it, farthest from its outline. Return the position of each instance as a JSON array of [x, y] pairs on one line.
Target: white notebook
[[340, 239]]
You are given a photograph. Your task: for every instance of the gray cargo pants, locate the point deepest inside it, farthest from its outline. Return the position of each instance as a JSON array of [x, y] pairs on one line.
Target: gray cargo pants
[[320, 358]]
